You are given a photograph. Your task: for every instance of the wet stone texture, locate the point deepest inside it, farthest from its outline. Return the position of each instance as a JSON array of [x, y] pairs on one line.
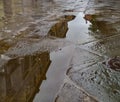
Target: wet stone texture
[[104, 17], [99, 81], [30, 30], [113, 63], [70, 93], [100, 77], [83, 58], [108, 47]]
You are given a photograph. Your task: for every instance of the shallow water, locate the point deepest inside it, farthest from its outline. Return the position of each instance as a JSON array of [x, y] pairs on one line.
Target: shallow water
[[78, 31], [41, 39], [60, 62]]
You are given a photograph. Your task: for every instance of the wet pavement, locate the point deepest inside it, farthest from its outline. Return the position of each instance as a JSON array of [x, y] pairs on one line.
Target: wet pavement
[[59, 51]]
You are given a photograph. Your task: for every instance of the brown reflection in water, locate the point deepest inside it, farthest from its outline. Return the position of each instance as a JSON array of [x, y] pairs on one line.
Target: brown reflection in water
[[98, 27], [4, 46], [21, 77], [60, 29]]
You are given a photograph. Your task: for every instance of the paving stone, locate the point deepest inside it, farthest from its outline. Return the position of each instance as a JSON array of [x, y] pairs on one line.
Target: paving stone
[[99, 81], [82, 58], [69, 93], [109, 47]]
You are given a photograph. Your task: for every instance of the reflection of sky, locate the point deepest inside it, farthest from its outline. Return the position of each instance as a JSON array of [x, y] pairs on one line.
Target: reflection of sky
[[55, 74], [78, 30]]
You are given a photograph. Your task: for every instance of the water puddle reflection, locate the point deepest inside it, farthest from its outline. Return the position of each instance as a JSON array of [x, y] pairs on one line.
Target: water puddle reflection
[[37, 77], [60, 29], [21, 77], [55, 75], [83, 28], [78, 30], [72, 28]]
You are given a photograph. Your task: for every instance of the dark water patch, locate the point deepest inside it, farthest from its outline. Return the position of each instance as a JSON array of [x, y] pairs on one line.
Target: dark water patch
[[60, 29], [100, 28], [60, 61], [24, 67], [21, 77]]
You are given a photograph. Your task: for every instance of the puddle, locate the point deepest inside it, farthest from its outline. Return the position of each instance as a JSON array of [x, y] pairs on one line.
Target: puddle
[[60, 62], [78, 30], [21, 77], [38, 70], [60, 29], [74, 29], [94, 28], [39, 75], [83, 28]]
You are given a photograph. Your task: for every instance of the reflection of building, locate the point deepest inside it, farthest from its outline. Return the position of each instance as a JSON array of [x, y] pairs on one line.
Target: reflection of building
[[103, 27], [60, 29], [21, 77], [99, 28]]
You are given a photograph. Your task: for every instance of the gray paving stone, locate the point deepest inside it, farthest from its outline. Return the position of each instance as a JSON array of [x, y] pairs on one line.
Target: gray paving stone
[[83, 58], [69, 93], [109, 47], [99, 81]]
